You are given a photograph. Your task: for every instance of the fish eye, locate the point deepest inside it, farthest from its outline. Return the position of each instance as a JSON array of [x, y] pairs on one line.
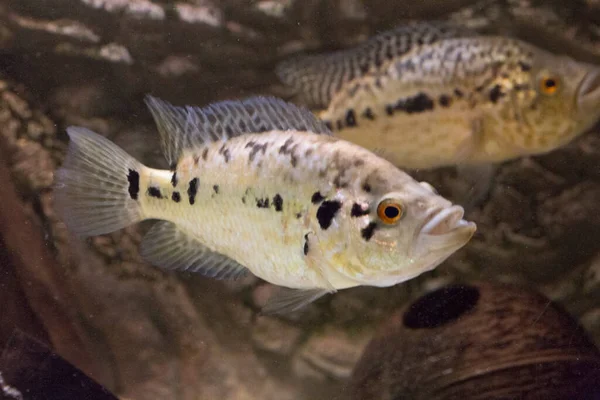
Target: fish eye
[[549, 85], [389, 211]]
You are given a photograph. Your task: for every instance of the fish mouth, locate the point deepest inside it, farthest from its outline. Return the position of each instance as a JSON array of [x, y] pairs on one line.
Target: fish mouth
[[445, 229], [588, 88]]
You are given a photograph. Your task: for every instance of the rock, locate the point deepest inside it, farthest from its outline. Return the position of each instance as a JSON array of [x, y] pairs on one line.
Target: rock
[[330, 354], [491, 340], [274, 336]]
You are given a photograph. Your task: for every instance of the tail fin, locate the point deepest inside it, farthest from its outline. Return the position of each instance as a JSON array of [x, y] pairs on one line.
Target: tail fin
[[96, 190]]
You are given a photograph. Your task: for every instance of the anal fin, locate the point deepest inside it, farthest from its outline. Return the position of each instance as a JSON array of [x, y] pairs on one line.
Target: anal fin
[[288, 300], [168, 247]]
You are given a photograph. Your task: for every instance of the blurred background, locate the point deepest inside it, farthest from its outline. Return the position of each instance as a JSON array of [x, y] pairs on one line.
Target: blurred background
[[147, 334]]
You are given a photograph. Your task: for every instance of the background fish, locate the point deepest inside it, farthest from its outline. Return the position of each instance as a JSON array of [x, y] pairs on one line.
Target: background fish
[[318, 78], [467, 100], [260, 185]]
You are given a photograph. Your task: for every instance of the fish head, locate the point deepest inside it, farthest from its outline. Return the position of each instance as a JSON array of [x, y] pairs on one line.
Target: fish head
[[407, 231], [558, 99]]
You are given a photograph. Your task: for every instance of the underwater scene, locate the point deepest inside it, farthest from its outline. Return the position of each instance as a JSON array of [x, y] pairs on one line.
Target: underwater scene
[[299, 199]]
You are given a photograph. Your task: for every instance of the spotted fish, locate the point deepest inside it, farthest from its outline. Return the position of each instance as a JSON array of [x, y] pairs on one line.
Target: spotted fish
[[468, 100], [318, 78], [260, 185]]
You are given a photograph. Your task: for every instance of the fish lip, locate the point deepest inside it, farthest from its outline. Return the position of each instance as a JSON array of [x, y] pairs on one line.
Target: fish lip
[[442, 221], [444, 229], [589, 87]]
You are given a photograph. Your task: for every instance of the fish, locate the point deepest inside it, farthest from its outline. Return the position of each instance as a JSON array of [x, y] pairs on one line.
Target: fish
[[464, 101], [316, 79], [261, 186]]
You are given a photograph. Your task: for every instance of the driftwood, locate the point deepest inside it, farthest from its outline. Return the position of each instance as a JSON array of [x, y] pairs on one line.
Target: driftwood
[[149, 334]]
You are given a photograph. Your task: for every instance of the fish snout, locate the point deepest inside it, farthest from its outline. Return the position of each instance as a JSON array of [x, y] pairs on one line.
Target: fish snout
[[589, 89], [444, 230]]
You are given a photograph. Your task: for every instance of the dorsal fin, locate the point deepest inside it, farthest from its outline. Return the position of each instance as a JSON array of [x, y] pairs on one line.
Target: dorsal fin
[[186, 127], [317, 78]]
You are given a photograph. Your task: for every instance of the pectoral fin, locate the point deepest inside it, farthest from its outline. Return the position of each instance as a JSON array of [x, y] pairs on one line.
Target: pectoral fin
[[288, 300], [475, 182]]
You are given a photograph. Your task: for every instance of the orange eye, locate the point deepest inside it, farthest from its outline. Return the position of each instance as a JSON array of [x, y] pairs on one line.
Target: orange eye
[[549, 85], [389, 211]]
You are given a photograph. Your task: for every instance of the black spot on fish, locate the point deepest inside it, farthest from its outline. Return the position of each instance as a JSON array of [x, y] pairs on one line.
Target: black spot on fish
[[366, 187], [524, 66], [278, 202], [521, 86], [134, 184], [154, 192], [255, 148], [192, 190], [350, 118], [317, 198], [306, 244], [205, 153], [338, 182], [285, 148], [225, 153], [174, 179], [176, 197], [389, 110], [339, 124], [445, 100], [367, 233], [298, 215], [458, 93], [416, 104], [364, 68], [288, 149], [216, 189], [328, 125], [368, 114], [496, 93], [262, 203], [326, 213], [358, 211]]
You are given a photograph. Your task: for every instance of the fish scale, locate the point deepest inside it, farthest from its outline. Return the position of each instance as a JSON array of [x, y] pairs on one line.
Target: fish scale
[[261, 186], [317, 78]]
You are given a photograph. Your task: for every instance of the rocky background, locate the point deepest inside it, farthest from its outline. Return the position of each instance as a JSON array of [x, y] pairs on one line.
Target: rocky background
[[146, 334]]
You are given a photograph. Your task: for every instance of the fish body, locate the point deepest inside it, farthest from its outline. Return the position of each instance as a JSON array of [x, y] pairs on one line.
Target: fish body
[[318, 78], [261, 186], [466, 101]]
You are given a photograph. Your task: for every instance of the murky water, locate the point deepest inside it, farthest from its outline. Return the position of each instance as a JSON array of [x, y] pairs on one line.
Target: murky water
[[513, 312]]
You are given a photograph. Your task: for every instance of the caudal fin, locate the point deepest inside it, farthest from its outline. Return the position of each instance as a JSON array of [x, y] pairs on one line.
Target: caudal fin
[[96, 189]]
